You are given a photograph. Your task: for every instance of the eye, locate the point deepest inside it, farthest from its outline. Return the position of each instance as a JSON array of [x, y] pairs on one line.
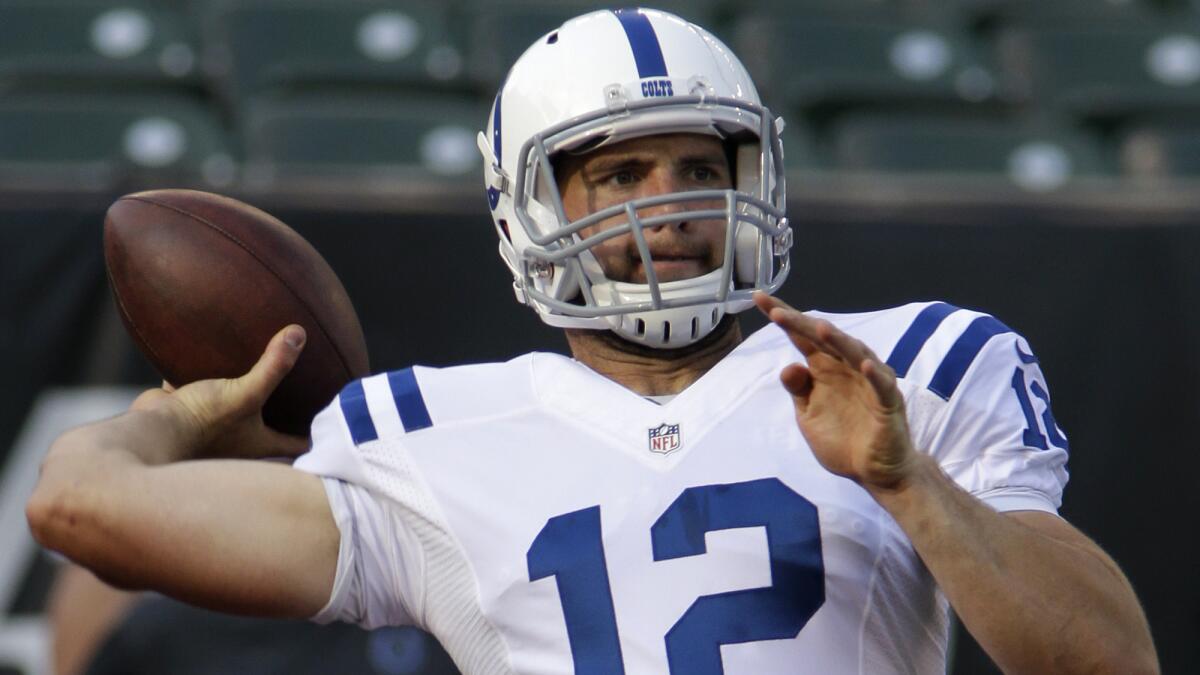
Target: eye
[[625, 177], [704, 173]]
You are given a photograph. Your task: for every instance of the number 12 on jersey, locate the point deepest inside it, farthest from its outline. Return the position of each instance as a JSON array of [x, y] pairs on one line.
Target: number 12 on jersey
[[571, 549]]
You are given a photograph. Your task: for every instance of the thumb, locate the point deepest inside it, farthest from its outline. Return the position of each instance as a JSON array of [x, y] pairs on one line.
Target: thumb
[[276, 362], [798, 381]]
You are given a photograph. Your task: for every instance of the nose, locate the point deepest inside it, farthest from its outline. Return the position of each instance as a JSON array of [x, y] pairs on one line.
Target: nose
[[663, 183]]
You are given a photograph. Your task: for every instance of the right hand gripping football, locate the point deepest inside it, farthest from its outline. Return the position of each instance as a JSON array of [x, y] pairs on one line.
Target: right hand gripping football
[[222, 418]]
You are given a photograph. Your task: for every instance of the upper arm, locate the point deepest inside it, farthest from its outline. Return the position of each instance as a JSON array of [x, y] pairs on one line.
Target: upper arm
[[250, 537]]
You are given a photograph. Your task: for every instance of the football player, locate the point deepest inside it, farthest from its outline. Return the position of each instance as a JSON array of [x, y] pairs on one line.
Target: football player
[[674, 499]]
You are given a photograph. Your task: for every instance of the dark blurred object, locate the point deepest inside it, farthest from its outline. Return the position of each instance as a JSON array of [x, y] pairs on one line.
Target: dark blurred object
[[161, 636], [1158, 151]]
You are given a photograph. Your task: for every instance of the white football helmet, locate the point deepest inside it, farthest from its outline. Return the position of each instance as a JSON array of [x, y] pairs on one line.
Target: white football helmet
[[605, 77]]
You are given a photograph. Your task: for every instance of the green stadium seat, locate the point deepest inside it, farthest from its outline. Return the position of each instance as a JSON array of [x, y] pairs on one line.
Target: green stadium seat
[[812, 8], [1033, 156], [502, 31], [1157, 151], [44, 43], [258, 46], [820, 61], [799, 145], [99, 140], [1062, 13], [1105, 72], [364, 135]]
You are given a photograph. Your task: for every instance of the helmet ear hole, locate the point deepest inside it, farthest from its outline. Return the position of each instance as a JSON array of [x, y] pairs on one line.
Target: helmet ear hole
[[503, 223], [639, 328], [695, 328], [666, 332]]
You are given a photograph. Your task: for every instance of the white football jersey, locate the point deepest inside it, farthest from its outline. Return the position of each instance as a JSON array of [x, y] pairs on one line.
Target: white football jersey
[[538, 518]]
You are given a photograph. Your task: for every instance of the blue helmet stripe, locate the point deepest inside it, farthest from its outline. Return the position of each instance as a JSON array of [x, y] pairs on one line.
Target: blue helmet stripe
[[492, 193], [496, 126], [647, 52]]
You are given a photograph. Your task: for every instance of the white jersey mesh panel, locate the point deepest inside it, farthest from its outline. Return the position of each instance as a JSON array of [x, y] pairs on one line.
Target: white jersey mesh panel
[[449, 606], [906, 623]]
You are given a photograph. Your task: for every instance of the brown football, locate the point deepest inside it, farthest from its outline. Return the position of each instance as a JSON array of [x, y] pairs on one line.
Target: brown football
[[203, 282]]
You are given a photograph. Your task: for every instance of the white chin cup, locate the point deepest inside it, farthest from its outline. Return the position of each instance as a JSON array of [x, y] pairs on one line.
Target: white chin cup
[[663, 328]]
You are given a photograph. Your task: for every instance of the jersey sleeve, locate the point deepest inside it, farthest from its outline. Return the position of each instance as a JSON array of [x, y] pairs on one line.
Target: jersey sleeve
[[380, 560], [989, 422]]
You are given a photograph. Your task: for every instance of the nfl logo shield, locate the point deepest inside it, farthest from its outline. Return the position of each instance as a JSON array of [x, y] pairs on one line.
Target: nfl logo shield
[[665, 438]]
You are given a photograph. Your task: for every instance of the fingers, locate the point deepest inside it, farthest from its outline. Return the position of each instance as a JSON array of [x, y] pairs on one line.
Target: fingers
[[820, 334], [812, 336], [799, 383], [783, 315], [275, 363], [883, 381]]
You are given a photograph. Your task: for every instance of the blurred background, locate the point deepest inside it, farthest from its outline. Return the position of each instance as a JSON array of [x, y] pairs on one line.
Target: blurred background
[[1038, 159]]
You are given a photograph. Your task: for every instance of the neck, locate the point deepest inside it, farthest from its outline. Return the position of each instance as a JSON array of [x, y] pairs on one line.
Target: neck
[[648, 371]]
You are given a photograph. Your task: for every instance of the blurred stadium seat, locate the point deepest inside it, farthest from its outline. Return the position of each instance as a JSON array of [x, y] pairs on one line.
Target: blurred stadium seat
[[809, 61], [384, 136], [799, 145], [308, 86], [93, 44], [1036, 157], [255, 46], [1063, 13], [100, 141], [1106, 71], [1151, 151]]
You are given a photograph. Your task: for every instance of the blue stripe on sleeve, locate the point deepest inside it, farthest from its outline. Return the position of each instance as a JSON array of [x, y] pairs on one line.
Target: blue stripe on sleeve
[[963, 353], [358, 417], [647, 52], [909, 345], [413, 413]]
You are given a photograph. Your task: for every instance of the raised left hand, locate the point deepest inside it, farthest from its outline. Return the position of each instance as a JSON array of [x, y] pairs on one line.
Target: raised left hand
[[847, 403]]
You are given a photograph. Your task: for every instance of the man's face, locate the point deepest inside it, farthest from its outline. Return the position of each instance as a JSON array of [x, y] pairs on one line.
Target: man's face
[[645, 167]]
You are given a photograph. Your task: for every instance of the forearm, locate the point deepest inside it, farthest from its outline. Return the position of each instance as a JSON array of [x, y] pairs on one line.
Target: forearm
[[232, 535], [1035, 603], [150, 437], [87, 469]]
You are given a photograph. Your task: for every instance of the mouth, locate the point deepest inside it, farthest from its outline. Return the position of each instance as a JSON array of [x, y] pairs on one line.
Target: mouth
[[673, 267]]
